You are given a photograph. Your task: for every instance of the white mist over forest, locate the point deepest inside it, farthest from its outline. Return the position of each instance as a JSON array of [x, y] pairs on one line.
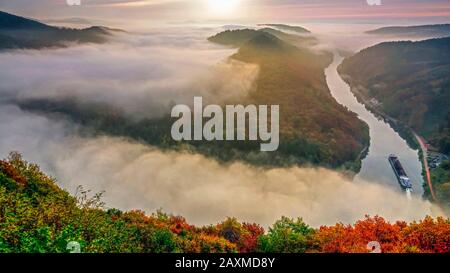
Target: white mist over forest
[[143, 75]]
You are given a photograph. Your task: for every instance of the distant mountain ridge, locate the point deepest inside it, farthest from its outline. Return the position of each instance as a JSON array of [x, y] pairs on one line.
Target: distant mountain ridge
[[20, 32], [10, 21], [285, 27], [71, 20], [441, 30], [239, 37]]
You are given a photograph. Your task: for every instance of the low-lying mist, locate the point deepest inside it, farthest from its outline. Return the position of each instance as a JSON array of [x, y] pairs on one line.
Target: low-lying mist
[[136, 176], [141, 74], [352, 38]]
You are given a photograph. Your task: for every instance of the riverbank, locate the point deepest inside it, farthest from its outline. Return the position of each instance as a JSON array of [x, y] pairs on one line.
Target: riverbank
[[403, 130], [384, 140], [424, 150], [415, 141]]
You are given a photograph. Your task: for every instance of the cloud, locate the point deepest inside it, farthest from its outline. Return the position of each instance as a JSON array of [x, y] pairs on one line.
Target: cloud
[[129, 12], [128, 3], [142, 74], [139, 73], [136, 176]]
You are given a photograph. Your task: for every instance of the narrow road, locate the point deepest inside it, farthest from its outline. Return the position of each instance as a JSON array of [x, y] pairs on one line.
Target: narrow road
[[424, 148]]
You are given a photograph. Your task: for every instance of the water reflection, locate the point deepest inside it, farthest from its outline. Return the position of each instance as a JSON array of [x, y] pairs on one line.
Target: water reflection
[[384, 140]]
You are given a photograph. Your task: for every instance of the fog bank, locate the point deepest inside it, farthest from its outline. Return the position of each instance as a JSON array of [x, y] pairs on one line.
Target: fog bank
[[136, 176]]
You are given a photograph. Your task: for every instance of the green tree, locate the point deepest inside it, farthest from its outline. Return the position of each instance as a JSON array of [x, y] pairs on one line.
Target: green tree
[[286, 236]]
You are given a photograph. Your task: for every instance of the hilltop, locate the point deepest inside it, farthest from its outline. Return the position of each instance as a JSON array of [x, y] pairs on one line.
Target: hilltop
[[237, 38], [296, 29], [313, 125], [20, 32]]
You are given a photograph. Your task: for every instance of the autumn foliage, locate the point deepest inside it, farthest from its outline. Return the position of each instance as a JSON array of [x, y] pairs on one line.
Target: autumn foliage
[[429, 235], [37, 216]]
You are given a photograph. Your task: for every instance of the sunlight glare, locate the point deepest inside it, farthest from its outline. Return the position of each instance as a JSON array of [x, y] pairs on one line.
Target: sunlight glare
[[223, 7]]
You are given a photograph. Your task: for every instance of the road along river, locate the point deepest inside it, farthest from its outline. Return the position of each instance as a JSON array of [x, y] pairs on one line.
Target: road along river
[[383, 139]]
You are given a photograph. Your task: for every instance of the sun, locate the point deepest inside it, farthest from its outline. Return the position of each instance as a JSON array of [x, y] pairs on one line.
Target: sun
[[223, 7]]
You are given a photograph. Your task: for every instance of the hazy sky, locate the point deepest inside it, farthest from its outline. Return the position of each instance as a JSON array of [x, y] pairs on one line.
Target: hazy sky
[[390, 11]]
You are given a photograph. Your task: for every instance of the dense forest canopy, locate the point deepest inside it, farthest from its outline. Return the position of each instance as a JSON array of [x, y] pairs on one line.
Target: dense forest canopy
[[411, 83], [36, 216]]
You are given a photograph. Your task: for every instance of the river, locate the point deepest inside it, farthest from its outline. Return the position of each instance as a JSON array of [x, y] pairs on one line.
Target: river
[[383, 140]]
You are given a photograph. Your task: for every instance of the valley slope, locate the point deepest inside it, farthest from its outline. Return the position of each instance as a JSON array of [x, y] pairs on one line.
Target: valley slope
[[21, 33], [314, 128], [312, 125], [410, 82]]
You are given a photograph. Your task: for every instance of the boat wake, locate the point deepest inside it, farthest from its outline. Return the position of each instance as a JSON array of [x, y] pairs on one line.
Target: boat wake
[[408, 194]]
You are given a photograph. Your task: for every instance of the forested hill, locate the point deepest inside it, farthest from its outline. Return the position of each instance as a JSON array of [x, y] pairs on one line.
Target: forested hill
[[36, 216], [10, 22], [237, 38], [314, 128], [295, 29], [20, 32], [312, 124], [436, 31], [411, 80]]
